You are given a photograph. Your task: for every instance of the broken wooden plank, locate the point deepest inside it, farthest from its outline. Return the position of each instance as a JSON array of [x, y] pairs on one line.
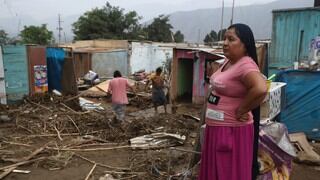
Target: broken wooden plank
[[93, 93], [21, 171], [39, 105], [58, 133], [91, 171], [6, 152], [185, 150], [100, 164], [21, 163], [192, 117], [75, 112], [6, 172], [53, 135], [104, 86], [34, 153], [92, 149], [157, 139], [74, 123], [17, 144]]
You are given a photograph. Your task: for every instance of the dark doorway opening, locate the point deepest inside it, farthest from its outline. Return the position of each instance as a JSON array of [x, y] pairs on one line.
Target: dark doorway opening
[[185, 80]]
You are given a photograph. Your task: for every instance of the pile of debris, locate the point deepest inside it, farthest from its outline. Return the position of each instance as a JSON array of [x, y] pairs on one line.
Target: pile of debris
[[52, 130]]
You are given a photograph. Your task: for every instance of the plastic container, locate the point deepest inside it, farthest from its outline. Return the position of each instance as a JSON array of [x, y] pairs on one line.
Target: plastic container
[[268, 84]]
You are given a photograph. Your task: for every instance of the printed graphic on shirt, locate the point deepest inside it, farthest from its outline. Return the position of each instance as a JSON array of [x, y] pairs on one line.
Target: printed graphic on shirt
[[213, 99], [215, 115]]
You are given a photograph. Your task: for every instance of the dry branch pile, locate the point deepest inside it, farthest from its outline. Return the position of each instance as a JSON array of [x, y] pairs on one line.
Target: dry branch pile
[[53, 131]]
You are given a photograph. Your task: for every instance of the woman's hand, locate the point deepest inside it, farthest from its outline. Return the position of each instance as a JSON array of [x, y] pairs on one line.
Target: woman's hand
[[242, 116]]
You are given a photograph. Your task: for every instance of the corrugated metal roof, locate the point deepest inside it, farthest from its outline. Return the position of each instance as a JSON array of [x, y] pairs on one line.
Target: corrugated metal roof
[[217, 52], [96, 50], [297, 9]]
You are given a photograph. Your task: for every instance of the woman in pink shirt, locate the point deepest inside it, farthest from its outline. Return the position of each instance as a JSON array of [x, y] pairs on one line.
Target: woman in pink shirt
[[118, 88], [237, 87]]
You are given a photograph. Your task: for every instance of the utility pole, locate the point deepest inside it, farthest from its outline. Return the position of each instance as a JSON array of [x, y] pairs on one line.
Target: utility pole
[[221, 25], [231, 22], [198, 36], [65, 39], [19, 24], [59, 28]]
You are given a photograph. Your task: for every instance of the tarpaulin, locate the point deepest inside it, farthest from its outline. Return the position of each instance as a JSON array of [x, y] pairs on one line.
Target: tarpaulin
[[55, 61], [302, 106]]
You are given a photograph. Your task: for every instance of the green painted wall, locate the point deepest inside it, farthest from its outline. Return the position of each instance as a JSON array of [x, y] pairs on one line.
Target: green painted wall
[[292, 31], [15, 72]]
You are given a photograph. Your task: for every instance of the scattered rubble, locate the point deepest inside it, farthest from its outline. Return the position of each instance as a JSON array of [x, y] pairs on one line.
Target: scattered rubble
[[53, 132]]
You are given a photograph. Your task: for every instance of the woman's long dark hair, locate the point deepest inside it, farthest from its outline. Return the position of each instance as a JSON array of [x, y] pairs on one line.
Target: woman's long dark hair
[[245, 35]]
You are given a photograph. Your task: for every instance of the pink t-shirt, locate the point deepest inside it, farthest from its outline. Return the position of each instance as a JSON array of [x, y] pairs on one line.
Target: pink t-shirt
[[229, 86], [118, 87]]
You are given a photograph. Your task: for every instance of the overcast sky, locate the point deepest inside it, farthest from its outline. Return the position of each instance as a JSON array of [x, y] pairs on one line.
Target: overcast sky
[[41, 9]]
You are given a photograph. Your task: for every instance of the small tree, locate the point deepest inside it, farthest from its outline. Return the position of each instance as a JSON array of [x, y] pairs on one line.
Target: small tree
[[211, 37], [178, 37], [36, 35], [160, 29], [3, 37], [221, 34]]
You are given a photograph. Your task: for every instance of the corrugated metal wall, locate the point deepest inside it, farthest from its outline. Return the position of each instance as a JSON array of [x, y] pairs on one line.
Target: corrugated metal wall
[[82, 63], [292, 32], [105, 63], [36, 57], [16, 72], [148, 56], [198, 77], [3, 97], [68, 77]]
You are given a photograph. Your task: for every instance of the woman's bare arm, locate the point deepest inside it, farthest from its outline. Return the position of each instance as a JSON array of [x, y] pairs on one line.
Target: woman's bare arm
[[257, 91]]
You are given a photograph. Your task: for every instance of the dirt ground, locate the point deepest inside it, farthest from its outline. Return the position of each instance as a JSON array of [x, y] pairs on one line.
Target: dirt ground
[[66, 143]]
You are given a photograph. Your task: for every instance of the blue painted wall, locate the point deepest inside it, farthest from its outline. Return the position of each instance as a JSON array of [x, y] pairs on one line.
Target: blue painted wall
[[292, 31], [15, 72]]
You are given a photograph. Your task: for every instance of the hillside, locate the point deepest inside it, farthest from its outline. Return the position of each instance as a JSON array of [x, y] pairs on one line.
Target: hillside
[[258, 17], [193, 24]]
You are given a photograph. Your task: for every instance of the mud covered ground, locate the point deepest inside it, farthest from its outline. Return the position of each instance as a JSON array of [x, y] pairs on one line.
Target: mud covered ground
[[65, 142]]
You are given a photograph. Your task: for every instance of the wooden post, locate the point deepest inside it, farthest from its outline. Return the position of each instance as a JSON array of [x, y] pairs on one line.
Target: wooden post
[[197, 146]]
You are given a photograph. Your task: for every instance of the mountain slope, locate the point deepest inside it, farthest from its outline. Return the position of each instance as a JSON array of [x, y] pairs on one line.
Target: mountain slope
[[196, 24], [193, 24]]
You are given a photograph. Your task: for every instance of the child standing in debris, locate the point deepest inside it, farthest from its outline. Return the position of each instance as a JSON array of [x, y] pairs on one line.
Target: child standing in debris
[[118, 88], [237, 88], [158, 95]]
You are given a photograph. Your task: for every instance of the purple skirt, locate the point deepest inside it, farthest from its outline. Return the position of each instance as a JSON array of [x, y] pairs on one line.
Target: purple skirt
[[227, 153]]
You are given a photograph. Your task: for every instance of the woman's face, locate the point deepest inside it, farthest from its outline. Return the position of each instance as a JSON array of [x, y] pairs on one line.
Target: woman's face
[[233, 48]]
